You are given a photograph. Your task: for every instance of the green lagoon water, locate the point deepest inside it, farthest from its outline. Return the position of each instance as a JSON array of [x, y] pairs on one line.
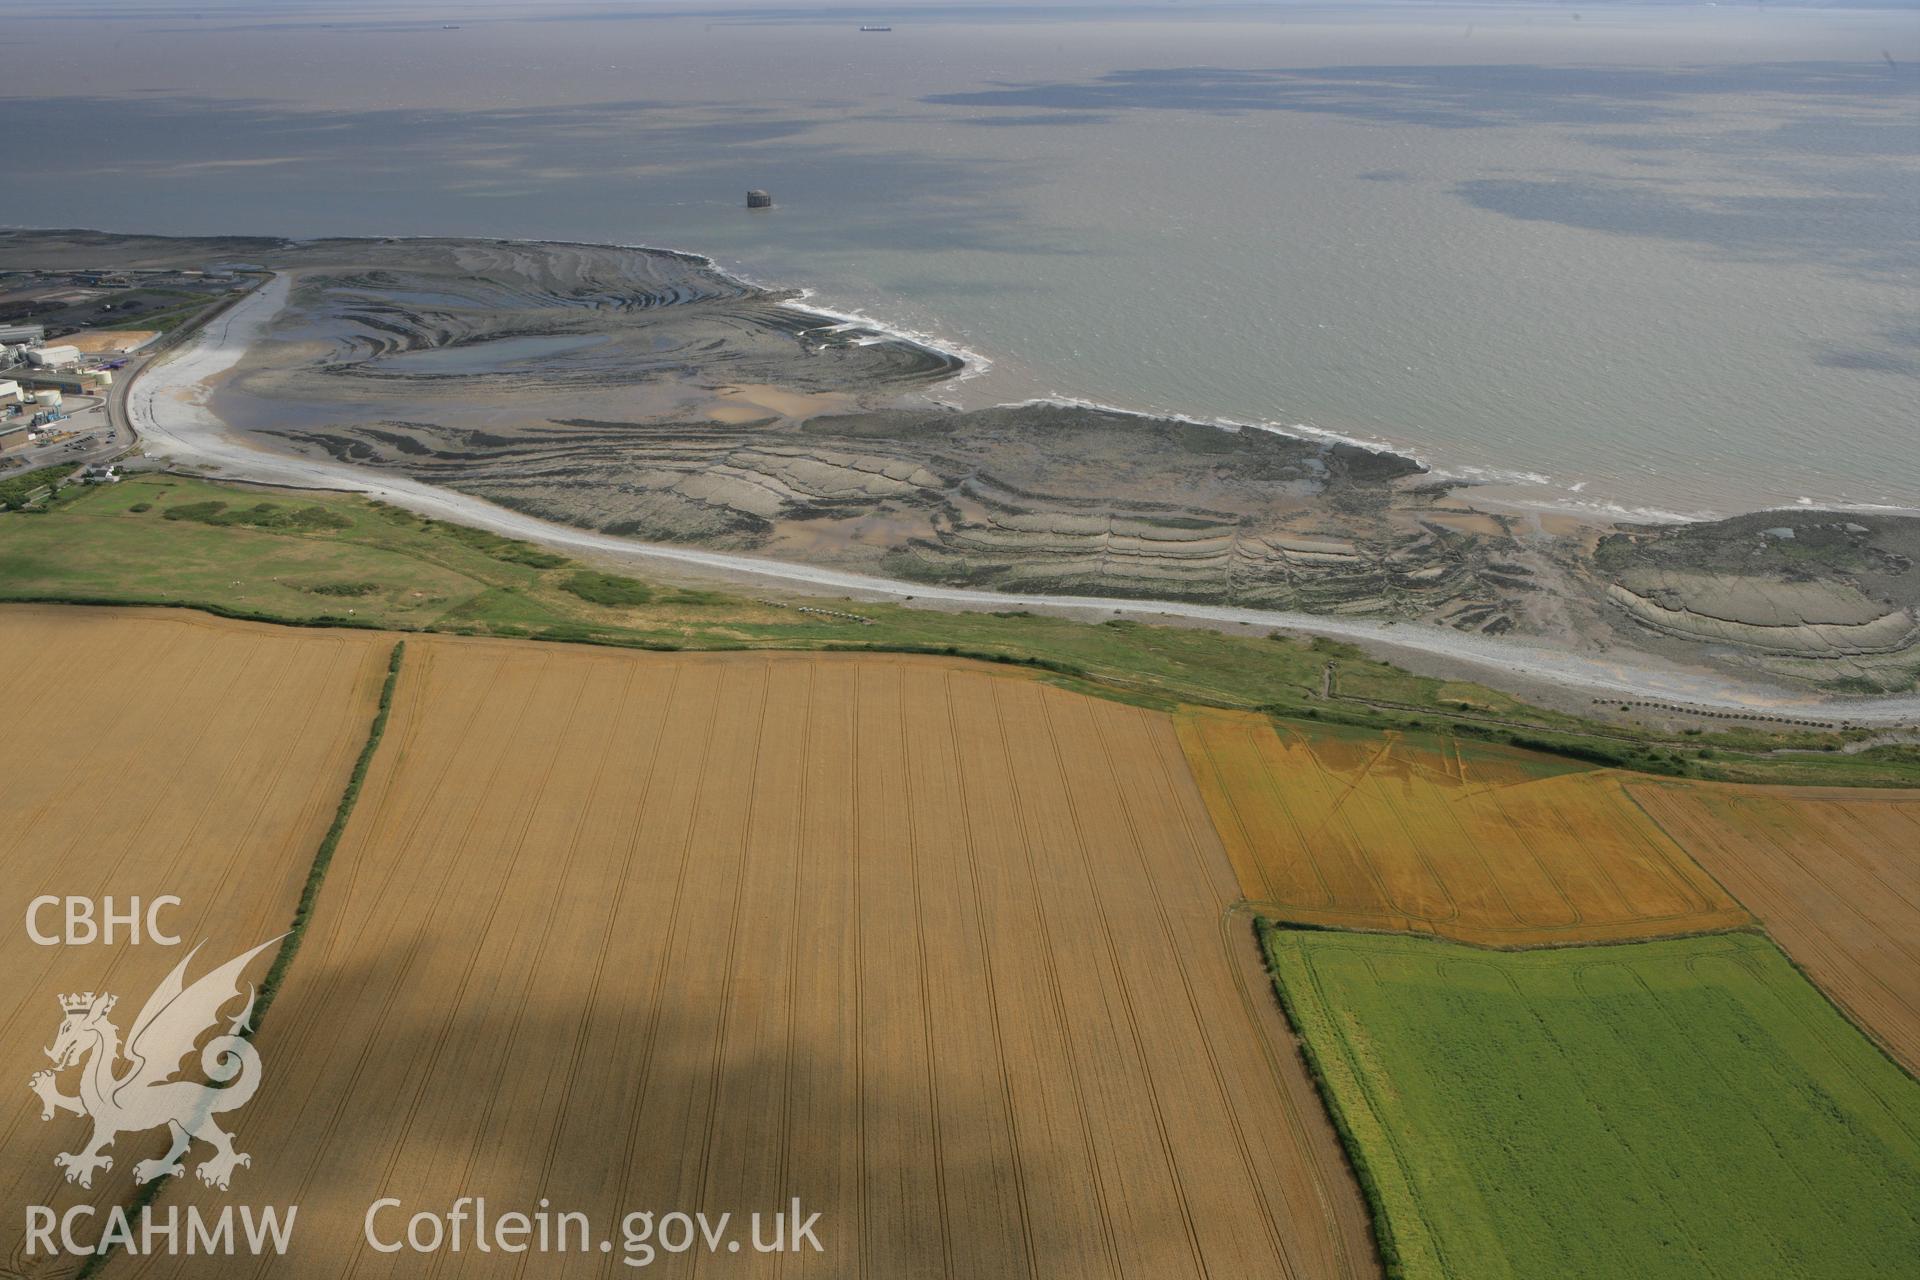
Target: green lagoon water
[[1646, 258]]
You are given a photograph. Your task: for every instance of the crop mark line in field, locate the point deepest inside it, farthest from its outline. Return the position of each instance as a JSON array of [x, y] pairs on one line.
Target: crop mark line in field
[[1665, 861], [1268, 1219], [1395, 814], [920, 946], [1653, 858], [1332, 784], [1257, 734], [993, 996], [1597, 1099], [1804, 1015], [800, 880], [552, 902], [1089, 1148], [1336, 828], [1528, 848], [1704, 1065], [1255, 746], [1227, 794], [607, 933], [717, 1071], [1126, 995], [476, 940], [1467, 840], [657, 995], [854, 745]]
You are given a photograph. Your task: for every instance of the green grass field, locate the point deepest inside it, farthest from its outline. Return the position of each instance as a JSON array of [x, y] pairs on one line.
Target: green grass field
[[1690, 1108], [321, 557]]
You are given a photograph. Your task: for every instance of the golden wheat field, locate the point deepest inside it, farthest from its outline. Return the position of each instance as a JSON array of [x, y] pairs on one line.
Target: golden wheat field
[[150, 753], [1833, 875], [942, 952], [1476, 843]]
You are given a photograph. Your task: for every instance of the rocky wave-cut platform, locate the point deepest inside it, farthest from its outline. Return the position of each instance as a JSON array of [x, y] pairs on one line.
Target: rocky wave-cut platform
[[1058, 499], [1809, 595]]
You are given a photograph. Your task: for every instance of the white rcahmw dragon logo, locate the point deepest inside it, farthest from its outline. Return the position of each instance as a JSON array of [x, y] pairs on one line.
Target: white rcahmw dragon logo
[[145, 1096]]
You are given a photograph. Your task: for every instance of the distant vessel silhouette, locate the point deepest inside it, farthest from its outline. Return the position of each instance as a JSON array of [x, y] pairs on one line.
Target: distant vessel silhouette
[[876, 28]]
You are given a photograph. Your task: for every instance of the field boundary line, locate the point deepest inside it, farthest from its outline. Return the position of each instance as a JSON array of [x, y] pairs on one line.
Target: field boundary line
[[302, 912], [1385, 1241], [326, 991]]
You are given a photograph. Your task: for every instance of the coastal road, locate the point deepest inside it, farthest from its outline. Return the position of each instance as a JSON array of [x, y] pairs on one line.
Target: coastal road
[[166, 404]]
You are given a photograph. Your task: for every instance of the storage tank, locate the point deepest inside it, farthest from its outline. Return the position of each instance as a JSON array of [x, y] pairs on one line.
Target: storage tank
[[49, 398]]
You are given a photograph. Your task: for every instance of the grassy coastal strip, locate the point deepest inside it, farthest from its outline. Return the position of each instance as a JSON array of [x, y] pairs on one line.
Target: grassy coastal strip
[[302, 915], [324, 559]]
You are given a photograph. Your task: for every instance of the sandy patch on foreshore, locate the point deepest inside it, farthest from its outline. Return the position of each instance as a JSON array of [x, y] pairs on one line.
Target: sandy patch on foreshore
[[760, 399], [109, 341]]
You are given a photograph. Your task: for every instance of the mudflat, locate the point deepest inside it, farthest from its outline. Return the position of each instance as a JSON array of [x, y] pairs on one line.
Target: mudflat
[[644, 394]]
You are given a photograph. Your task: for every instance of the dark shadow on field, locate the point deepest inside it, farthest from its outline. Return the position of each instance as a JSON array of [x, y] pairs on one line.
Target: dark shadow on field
[[461, 1064]]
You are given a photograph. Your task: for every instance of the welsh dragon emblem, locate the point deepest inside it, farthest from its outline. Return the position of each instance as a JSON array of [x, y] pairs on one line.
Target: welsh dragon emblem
[[145, 1095]]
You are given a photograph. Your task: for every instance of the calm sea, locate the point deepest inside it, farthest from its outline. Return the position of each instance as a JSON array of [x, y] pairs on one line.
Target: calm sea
[[1656, 258]]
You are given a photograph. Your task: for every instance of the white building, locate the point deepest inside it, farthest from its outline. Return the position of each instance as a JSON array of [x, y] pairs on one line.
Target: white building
[[9, 391], [53, 357]]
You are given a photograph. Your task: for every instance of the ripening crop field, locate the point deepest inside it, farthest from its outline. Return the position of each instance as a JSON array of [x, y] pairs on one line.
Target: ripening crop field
[[1481, 844], [1684, 1108], [1833, 875], [938, 950], [150, 753]]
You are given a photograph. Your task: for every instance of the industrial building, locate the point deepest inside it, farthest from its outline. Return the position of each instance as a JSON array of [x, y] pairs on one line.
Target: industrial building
[[31, 334], [53, 357], [74, 381]]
